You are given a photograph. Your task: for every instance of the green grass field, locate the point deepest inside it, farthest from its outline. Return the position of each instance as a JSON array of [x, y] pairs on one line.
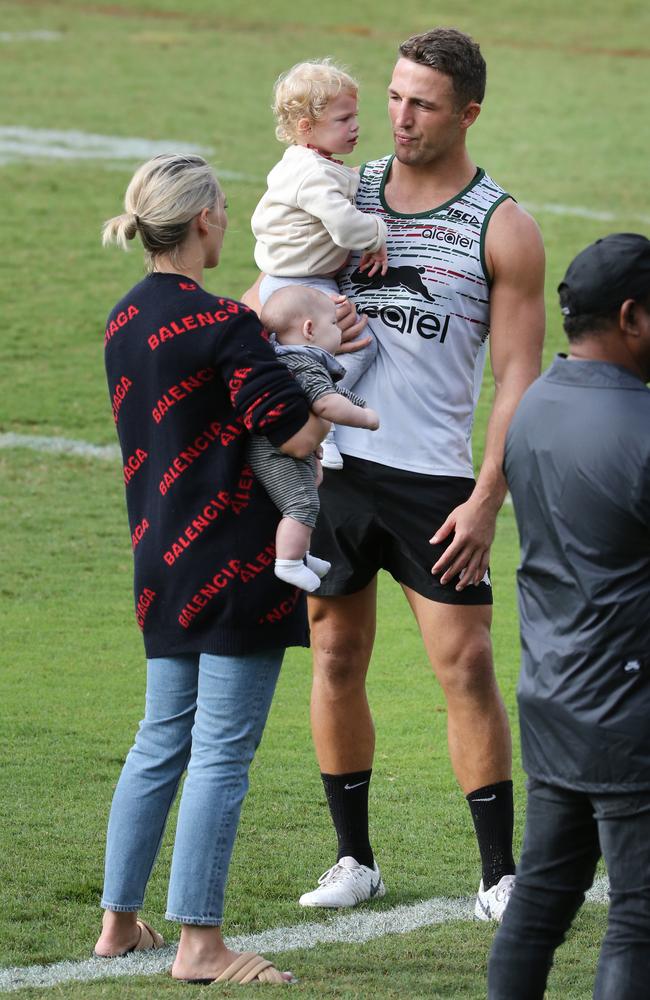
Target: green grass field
[[563, 129]]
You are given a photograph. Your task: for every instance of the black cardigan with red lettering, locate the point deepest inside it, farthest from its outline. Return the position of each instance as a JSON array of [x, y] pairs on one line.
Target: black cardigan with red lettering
[[189, 375]]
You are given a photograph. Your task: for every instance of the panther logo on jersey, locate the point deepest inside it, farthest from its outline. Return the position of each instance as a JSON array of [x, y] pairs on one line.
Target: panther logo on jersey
[[406, 276]]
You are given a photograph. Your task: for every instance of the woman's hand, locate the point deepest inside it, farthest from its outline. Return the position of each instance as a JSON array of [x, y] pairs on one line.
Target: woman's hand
[[305, 441]]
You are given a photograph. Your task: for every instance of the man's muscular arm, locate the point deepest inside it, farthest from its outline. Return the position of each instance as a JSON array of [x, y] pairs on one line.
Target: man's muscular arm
[[515, 257]]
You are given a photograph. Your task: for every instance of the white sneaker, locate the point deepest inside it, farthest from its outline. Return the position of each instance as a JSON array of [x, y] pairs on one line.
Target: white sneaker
[[332, 458], [491, 903], [346, 884]]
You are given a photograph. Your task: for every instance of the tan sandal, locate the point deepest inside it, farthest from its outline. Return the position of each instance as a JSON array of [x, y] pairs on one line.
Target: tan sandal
[[249, 967], [149, 940]]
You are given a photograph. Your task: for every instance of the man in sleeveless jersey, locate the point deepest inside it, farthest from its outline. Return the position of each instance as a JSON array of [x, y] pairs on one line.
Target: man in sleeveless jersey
[[465, 261]]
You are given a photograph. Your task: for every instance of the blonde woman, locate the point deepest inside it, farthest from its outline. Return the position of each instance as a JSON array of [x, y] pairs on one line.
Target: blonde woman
[[185, 370]]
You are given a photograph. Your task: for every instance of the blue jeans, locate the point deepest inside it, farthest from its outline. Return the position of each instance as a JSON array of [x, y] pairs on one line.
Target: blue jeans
[[207, 714], [566, 832]]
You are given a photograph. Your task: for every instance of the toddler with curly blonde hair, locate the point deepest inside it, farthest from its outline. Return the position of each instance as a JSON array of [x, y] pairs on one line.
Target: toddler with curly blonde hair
[[306, 224]]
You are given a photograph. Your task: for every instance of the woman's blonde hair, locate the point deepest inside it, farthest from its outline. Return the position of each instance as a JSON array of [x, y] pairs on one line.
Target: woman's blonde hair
[[163, 197], [304, 91]]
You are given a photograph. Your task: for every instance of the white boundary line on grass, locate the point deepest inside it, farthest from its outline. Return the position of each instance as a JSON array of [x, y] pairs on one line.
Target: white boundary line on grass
[[586, 213], [30, 36], [68, 446], [356, 927], [21, 142], [60, 446]]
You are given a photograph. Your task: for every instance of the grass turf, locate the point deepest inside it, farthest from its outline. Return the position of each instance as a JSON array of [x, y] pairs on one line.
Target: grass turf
[[564, 86]]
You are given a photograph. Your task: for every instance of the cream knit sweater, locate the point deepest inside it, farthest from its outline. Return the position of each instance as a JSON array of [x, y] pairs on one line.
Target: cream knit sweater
[[306, 223]]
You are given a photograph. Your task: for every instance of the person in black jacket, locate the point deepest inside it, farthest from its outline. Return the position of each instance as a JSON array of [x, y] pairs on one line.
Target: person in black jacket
[[190, 376], [577, 463]]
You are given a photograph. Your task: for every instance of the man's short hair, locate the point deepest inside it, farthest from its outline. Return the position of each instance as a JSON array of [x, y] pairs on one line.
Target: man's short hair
[[588, 324], [453, 53], [600, 279]]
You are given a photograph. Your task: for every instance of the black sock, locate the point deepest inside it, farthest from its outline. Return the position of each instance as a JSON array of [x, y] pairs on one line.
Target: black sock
[[347, 797], [493, 814]]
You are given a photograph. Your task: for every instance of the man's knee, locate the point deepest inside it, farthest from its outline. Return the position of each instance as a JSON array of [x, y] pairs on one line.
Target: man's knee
[[341, 646], [465, 668], [341, 662]]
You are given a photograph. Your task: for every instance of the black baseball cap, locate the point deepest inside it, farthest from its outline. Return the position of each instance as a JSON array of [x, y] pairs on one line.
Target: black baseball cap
[[605, 274]]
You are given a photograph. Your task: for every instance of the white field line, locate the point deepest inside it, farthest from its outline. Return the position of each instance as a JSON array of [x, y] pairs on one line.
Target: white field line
[[30, 36], [60, 446], [19, 143], [67, 446], [585, 213], [356, 927]]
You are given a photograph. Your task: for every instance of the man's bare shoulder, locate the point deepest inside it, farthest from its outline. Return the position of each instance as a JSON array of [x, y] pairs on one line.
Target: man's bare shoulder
[[513, 239], [510, 219]]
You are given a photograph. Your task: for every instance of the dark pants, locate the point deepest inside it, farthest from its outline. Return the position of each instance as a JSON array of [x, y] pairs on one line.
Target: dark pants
[[566, 832]]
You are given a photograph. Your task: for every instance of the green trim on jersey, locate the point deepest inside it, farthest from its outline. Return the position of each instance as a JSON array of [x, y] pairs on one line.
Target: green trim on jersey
[[476, 179], [488, 216]]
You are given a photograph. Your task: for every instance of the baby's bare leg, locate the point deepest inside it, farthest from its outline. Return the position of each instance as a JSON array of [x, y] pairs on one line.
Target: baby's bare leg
[[292, 539]]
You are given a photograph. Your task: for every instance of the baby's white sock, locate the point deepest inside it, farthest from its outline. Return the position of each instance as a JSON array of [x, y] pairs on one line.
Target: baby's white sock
[[318, 566], [294, 571]]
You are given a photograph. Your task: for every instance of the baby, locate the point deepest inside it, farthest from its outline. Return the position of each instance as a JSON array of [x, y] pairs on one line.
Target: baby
[[306, 336], [306, 224]]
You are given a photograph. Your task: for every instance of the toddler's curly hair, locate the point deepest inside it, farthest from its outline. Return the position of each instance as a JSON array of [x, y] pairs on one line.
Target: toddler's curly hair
[[304, 91]]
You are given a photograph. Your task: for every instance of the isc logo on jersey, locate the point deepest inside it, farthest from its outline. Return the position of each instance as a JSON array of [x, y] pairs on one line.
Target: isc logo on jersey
[[458, 216]]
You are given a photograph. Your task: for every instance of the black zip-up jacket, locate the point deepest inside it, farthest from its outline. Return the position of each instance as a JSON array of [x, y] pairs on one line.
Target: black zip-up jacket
[[578, 468]]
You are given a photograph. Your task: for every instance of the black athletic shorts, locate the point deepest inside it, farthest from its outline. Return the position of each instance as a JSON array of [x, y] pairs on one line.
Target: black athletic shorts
[[375, 517]]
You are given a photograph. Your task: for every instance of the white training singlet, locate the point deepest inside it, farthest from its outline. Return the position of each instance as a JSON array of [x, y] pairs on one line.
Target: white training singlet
[[430, 315]]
